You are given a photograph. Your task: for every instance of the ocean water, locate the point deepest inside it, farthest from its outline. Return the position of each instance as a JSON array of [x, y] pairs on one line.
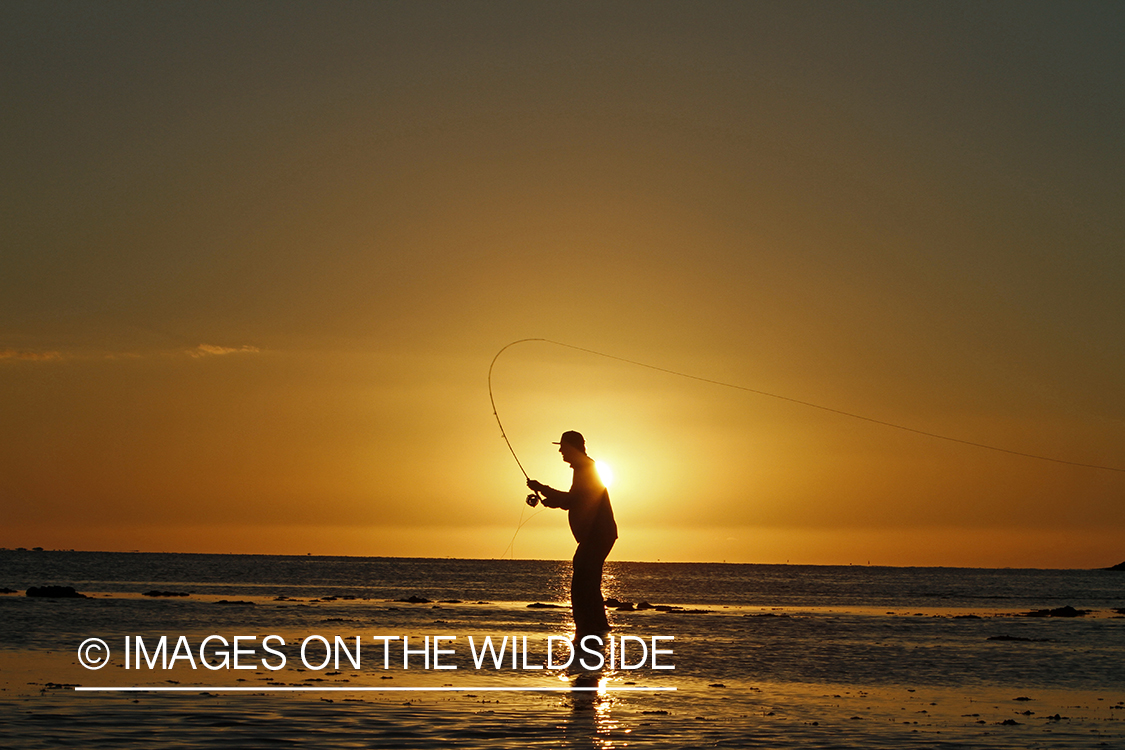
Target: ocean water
[[763, 655]]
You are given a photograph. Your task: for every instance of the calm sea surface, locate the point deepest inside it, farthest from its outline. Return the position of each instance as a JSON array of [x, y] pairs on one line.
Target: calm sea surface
[[704, 584], [745, 636]]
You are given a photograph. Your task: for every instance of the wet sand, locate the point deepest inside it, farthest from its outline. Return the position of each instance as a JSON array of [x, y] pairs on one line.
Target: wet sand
[[793, 676], [39, 708]]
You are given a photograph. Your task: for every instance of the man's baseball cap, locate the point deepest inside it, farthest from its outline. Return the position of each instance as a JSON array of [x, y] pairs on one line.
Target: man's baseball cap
[[570, 437]]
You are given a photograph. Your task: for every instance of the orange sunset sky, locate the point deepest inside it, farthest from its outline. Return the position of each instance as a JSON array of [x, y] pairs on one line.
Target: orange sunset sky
[[256, 259]]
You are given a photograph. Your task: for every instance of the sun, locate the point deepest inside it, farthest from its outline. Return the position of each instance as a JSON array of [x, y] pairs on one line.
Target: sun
[[604, 472]]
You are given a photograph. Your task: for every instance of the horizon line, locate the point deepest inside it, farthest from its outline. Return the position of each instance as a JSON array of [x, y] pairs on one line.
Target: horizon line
[[537, 559]]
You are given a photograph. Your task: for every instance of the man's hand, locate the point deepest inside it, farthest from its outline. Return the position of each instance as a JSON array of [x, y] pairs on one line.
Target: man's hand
[[536, 486]]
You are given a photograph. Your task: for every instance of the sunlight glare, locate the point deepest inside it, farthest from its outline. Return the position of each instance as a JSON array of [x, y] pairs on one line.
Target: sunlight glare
[[604, 472]]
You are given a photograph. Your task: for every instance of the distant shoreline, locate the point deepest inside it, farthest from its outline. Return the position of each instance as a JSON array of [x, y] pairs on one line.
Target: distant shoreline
[[41, 550]]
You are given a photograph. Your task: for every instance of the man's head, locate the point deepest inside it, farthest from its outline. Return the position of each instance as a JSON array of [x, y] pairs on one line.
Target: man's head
[[571, 445]]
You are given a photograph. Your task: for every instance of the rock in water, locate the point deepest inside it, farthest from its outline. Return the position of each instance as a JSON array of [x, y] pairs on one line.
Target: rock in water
[[55, 592], [1067, 611]]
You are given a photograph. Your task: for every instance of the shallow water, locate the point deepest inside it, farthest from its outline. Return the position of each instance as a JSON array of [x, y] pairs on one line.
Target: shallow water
[[712, 584], [765, 656], [768, 716]]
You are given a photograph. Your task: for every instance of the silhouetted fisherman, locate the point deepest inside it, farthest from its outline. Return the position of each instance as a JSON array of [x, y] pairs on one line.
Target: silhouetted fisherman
[[591, 522]]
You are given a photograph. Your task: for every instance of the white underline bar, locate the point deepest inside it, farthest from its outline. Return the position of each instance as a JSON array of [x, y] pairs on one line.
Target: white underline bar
[[211, 689]]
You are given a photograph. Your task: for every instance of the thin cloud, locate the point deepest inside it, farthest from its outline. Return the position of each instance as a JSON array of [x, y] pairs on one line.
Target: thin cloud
[[208, 350], [27, 356]]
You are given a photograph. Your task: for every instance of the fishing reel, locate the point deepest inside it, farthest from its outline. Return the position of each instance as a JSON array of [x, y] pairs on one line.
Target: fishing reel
[[533, 499]]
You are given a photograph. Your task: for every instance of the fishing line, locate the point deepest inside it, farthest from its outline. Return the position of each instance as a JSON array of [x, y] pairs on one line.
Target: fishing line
[[809, 404], [512, 543]]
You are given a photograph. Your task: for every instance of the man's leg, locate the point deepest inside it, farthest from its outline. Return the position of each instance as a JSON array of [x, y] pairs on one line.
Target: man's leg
[[586, 587]]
